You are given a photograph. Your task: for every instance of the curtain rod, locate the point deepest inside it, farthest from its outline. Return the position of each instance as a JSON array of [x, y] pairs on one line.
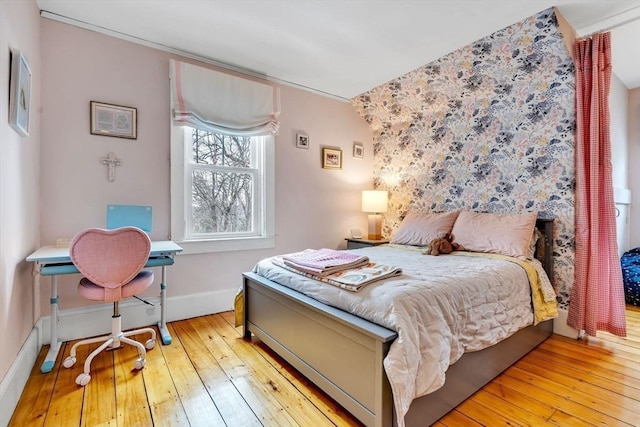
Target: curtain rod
[[611, 27]]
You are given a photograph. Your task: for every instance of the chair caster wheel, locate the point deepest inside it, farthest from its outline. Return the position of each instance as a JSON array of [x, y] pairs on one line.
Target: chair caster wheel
[[83, 379], [139, 364], [150, 344], [69, 362]]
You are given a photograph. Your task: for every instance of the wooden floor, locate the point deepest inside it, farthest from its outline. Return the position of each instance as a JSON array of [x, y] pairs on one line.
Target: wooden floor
[[209, 376]]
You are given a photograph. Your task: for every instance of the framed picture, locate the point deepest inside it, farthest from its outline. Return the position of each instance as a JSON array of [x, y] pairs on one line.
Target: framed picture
[[331, 158], [358, 150], [19, 93], [302, 140], [113, 120]]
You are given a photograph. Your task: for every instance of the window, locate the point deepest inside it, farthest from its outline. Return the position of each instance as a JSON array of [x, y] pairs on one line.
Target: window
[[222, 190], [222, 160], [224, 172]]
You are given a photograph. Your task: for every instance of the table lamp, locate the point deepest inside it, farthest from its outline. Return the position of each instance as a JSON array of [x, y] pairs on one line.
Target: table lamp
[[374, 202]]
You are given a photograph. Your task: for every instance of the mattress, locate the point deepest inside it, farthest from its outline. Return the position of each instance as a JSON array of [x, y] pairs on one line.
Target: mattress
[[440, 307]]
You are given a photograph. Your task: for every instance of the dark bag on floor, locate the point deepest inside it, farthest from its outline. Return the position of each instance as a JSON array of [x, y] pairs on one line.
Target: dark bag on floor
[[630, 262]]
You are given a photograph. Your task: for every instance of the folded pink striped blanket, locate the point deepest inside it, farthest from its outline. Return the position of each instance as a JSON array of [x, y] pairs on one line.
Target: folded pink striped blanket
[[322, 262]]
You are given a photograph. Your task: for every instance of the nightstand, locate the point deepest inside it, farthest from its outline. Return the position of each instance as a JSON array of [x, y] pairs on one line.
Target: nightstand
[[363, 243]]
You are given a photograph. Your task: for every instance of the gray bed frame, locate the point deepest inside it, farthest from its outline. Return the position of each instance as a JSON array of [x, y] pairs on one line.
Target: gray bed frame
[[343, 354]]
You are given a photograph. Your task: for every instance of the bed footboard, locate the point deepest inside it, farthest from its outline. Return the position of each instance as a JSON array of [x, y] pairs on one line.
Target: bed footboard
[[309, 335], [343, 354]]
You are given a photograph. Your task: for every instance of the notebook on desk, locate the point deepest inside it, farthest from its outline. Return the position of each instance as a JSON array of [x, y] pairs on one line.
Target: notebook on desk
[[129, 215]]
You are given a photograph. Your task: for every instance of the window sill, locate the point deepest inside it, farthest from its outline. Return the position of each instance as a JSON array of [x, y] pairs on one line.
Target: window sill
[[226, 245]]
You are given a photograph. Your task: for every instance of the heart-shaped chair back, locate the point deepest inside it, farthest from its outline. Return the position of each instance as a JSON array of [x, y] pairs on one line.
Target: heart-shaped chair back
[[110, 258]]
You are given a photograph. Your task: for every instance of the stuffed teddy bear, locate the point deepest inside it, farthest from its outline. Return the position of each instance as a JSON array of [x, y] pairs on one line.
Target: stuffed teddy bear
[[443, 244]]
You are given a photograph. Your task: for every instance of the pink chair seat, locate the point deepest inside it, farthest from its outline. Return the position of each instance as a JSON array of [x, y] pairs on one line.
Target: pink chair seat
[[94, 292]]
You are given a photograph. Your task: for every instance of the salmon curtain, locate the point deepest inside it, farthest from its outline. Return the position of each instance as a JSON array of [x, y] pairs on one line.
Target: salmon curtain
[[597, 296]]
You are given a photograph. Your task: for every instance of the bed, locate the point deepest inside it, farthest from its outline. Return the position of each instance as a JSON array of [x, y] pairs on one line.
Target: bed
[[344, 354]]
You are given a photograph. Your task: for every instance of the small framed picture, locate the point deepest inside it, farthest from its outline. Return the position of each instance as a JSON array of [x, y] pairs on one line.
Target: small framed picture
[[331, 158], [358, 150], [19, 93], [113, 120], [302, 140]]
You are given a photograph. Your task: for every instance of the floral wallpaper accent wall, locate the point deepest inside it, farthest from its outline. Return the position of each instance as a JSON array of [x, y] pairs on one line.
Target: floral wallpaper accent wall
[[489, 127]]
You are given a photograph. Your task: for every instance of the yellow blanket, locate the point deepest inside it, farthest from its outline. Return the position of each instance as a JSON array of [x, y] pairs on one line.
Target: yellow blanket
[[238, 308]]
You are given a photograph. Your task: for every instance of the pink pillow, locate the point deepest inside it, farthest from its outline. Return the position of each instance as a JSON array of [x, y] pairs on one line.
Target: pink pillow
[[506, 234], [419, 228]]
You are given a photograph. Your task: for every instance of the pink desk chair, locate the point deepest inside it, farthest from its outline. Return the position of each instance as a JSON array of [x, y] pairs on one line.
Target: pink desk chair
[[111, 262]]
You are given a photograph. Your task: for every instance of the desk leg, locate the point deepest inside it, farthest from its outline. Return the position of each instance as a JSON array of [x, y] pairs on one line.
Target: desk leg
[[162, 324], [54, 347]]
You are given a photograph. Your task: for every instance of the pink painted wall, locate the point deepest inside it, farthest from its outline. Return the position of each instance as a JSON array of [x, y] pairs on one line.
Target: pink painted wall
[[633, 123], [618, 97], [619, 159], [19, 189], [314, 207]]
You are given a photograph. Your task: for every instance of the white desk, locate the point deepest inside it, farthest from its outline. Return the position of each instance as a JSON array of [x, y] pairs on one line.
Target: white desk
[[53, 261]]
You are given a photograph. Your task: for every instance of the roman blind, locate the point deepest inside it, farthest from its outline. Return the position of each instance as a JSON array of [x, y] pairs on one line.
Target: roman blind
[[222, 103]]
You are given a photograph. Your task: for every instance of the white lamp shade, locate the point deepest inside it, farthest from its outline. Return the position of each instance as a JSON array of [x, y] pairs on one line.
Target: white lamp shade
[[374, 201]]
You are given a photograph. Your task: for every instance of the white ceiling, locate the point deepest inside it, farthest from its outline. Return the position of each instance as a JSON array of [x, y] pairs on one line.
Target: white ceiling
[[339, 47]]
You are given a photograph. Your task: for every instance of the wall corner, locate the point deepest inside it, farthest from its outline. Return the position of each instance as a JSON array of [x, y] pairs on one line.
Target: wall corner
[[569, 34]]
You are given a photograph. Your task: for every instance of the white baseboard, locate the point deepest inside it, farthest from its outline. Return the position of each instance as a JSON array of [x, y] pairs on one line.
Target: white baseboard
[[14, 381], [560, 326], [94, 320]]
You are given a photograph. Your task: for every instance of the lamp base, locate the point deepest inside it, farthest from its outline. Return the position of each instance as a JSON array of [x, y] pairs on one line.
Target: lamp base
[[375, 227]]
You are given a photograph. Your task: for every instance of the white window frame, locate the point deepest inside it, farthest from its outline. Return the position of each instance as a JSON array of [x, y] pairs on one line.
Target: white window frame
[[181, 182]]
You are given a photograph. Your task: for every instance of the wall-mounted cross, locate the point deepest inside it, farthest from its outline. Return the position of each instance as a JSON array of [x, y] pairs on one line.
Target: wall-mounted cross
[[111, 162]]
